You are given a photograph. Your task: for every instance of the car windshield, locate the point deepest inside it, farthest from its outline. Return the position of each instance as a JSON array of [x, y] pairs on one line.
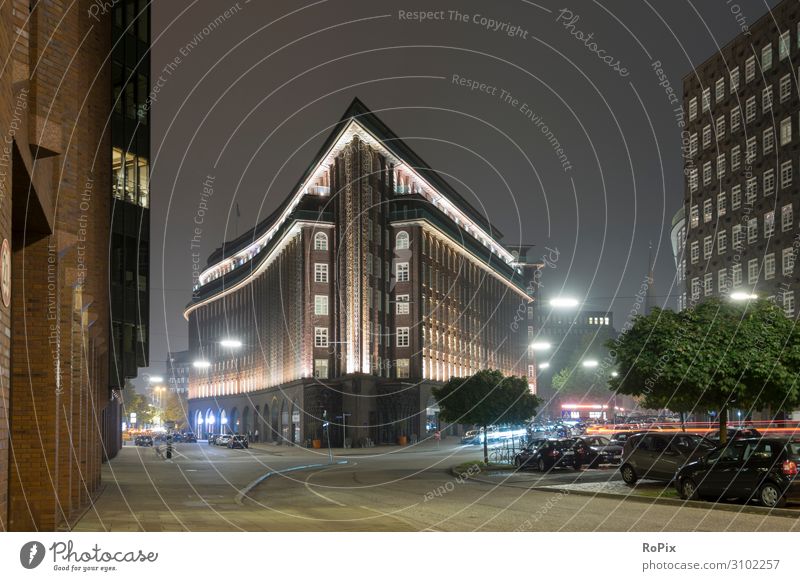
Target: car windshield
[[598, 441], [793, 448], [564, 444], [692, 441]]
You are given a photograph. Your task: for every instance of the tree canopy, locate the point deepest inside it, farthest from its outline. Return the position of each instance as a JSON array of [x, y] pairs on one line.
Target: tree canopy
[[486, 398], [715, 356]]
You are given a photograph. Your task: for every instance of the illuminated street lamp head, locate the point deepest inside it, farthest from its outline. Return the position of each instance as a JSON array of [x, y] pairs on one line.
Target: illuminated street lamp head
[[614, 374], [544, 365], [155, 379], [742, 296], [201, 364], [590, 363], [540, 346], [231, 343], [563, 303]]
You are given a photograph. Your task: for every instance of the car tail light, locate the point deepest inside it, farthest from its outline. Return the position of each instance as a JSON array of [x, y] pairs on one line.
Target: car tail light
[[789, 468], [552, 453]]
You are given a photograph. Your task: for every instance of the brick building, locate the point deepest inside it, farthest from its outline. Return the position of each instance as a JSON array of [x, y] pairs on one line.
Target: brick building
[[374, 281], [742, 144], [59, 416]]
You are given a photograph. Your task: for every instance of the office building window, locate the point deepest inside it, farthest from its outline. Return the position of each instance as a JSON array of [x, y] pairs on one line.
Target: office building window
[[692, 108], [768, 140], [736, 270], [401, 272], [737, 236], [721, 166], [693, 185], [320, 272], [750, 109], [788, 303], [736, 197], [752, 271], [695, 288], [403, 337], [402, 368], [750, 69], [766, 99], [751, 187], [786, 131], [401, 241], [320, 336], [721, 204], [706, 136], [734, 80], [752, 230], [708, 247], [786, 174], [693, 145], [785, 88], [751, 149], [320, 304], [722, 241], [769, 223], [720, 127], [695, 251], [706, 99], [402, 304], [722, 280], [736, 119], [320, 241], [719, 89], [766, 58], [706, 173], [769, 266], [694, 216], [708, 283], [736, 157], [784, 44], [787, 261], [321, 368], [707, 210], [787, 218]]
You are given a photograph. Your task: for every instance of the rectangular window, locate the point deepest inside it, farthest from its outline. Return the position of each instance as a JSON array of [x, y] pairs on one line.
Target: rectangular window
[[708, 283], [766, 58], [784, 44], [695, 252], [785, 88], [734, 80], [695, 288], [751, 190], [751, 149], [788, 303], [722, 241], [721, 166], [766, 99], [321, 368], [693, 145], [320, 304], [787, 218], [402, 304], [401, 272], [693, 183], [694, 216], [737, 236], [736, 197], [769, 266], [721, 204], [752, 230], [786, 174], [722, 280], [750, 109], [736, 158], [320, 272], [768, 140], [707, 211], [320, 336], [402, 368], [720, 128], [787, 261], [769, 223], [706, 99], [768, 184], [719, 89], [752, 271], [692, 108], [750, 69], [736, 119], [708, 247], [706, 173], [786, 131], [403, 337], [736, 269]]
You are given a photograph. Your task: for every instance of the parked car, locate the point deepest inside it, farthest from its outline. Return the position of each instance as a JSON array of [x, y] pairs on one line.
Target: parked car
[[238, 441], [595, 450], [223, 439], [620, 437], [764, 469], [189, 438], [659, 455], [212, 439], [143, 441], [734, 434], [546, 454]]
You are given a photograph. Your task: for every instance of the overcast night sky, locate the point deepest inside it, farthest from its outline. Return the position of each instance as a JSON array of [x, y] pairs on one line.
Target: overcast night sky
[[250, 102]]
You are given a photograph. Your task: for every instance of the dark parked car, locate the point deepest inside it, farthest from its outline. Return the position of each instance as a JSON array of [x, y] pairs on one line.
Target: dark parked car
[[764, 469], [546, 454], [238, 441], [595, 450], [143, 441], [212, 439], [659, 455], [620, 437], [189, 438], [734, 434]]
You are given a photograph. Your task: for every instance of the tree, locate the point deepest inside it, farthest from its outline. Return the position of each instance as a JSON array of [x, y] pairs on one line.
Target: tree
[[485, 398], [175, 409], [137, 403], [711, 357]]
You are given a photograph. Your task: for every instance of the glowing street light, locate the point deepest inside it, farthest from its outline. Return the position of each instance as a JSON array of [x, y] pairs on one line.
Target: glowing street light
[[540, 346], [614, 374], [544, 365], [563, 302], [201, 364], [156, 379], [590, 363], [231, 343], [742, 296]]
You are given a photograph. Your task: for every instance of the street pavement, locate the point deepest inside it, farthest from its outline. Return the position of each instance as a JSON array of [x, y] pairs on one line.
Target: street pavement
[[281, 488]]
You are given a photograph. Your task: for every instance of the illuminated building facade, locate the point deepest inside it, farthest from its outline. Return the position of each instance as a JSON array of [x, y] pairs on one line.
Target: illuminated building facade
[[372, 283]]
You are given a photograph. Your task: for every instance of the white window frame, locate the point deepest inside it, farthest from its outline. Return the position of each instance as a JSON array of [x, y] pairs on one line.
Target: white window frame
[[752, 271], [320, 336], [402, 272], [786, 174], [320, 241], [722, 241], [787, 218], [402, 304], [769, 266], [769, 223], [721, 204], [403, 337], [321, 305], [320, 272], [402, 241], [786, 131], [766, 57], [750, 69]]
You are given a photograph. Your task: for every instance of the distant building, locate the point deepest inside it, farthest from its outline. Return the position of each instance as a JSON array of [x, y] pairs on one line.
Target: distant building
[[372, 283], [741, 164], [678, 237], [179, 364]]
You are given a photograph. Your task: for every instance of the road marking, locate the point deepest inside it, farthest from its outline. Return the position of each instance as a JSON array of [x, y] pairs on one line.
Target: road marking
[[322, 496], [400, 518], [245, 491]]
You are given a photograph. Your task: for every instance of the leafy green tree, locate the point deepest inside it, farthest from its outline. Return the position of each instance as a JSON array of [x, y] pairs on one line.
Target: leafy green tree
[[138, 404], [485, 398], [714, 356], [175, 408], [574, 380]]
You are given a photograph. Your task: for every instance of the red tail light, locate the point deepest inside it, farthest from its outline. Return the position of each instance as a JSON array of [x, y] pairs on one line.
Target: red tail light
[[789, 468], [552, 453]]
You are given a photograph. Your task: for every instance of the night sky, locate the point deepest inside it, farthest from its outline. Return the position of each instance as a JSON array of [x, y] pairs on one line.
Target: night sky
[[246, 103]]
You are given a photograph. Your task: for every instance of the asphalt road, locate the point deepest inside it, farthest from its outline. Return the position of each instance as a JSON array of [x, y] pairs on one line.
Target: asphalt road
[[380, 489]]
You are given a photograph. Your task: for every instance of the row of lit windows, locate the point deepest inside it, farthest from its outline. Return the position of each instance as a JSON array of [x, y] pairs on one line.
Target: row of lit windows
[[724, 284], [768, 177], [787, 269], [751, 146], [738, 234]]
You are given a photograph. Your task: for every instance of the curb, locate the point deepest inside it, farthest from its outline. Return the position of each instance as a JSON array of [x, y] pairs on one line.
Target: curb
[[246, 490], [740, 508]]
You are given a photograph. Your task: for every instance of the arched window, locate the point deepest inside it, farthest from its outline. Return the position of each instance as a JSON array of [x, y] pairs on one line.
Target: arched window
[[320, 241], [401, 242]]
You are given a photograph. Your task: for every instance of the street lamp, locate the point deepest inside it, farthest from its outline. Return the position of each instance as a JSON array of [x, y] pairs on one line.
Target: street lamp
[[743, 296], [563, 303], [156, 379], [231, 343], [201, 364], [544, 365], [614, 374], [540, 346], [589, 363]]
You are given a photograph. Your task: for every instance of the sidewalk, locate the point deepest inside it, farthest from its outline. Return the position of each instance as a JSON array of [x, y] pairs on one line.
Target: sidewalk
[[379, 450]]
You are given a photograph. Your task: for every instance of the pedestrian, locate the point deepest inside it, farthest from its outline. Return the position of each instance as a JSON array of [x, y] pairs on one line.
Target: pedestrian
[[255, 435]]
